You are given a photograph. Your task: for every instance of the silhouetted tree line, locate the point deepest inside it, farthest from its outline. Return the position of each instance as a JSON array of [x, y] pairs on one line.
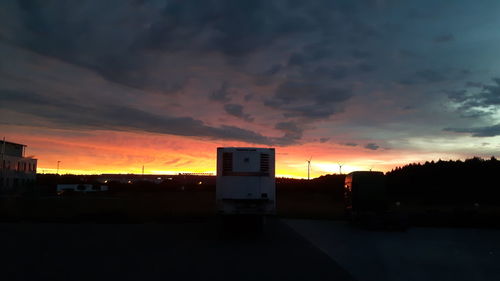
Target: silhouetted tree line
[[327, 185], [474, 180]]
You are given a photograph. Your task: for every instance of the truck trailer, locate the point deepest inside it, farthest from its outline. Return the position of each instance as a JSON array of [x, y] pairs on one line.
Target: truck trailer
[[367, 202], [246, 182], [365, 192]]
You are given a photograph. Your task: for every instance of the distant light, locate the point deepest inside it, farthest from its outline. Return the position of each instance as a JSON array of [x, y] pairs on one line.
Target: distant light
[[200, 182], [158, 178], [169, 179], [106, 181], [129, 181]]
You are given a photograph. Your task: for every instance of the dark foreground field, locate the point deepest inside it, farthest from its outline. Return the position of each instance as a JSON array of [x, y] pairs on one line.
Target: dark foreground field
[[140, 207], [183, 250], [154, 206], [286, 249]]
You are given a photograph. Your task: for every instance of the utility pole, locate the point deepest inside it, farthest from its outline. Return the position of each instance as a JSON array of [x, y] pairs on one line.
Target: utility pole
[[58, 167], [340, 168], [3, 163], [308, 170]]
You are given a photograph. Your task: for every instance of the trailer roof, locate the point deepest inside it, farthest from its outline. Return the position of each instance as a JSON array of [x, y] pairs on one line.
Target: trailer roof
[[245, 148]]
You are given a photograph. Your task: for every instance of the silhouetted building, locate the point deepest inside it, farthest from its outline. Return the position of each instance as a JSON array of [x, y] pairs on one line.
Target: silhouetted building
[[16, 169]]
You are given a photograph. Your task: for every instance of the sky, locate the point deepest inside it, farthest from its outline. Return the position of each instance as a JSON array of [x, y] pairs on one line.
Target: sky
[[111, 86]]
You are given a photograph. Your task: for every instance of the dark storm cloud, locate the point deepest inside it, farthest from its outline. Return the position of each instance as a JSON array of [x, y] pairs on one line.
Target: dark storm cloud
[[274, 69], [350, 144], [490, 94], [237, 111], [334, 72], [303, 59], [429, 75], [291, 129], [360, 54], [366, 67], [486, 131], [222, 94], [85, 37], [318, 50], [471, 84], [248, 97], [408, 54], [477, 103], [64, 112], [422, 14], [297, 59], [232, 27], [122, 40], [113, 38], [444, 38], [372, 146], [307, 99]]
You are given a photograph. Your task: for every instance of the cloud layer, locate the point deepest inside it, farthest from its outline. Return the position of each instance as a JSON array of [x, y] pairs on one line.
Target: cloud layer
[[359, 75]]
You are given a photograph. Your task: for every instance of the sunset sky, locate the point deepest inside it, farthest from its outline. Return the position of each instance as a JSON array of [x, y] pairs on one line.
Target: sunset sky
[[110, 86]]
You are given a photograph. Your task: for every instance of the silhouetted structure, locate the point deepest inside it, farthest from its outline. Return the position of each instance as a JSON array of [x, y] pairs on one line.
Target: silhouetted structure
[[16, 169], [365, 191]]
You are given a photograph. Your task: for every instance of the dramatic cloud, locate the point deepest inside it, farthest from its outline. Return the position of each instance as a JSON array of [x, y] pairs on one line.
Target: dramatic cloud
[[307, 99], [488, 131], [221, 94], [372, 146], [443, 38], [350, 144], [172, 162], [319, 74], [430, 76], [237, 111], [102, 117], [477, 103]]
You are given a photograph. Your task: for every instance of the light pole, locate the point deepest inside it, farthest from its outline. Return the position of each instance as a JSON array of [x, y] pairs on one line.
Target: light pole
[[3, 162], [309, 168]]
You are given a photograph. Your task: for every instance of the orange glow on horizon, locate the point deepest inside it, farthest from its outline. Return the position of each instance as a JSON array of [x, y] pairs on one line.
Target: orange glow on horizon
[[104, 152]]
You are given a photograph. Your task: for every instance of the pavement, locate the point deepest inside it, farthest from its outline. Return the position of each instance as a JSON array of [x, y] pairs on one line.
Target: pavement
[[177, 250], [439, 254]]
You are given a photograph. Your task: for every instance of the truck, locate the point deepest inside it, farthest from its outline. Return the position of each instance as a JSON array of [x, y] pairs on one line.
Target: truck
[[367, 202], [245, 183], [365, 193]]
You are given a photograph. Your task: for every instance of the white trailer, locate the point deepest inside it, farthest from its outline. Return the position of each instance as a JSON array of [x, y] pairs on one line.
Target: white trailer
[[246, 182], [62, 188]]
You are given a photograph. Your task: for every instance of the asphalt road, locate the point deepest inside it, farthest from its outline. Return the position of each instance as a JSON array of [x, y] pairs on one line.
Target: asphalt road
[[426, 254], [192, 250]]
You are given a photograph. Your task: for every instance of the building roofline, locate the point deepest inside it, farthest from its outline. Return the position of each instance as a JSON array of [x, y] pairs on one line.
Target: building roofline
[[9, 142]]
